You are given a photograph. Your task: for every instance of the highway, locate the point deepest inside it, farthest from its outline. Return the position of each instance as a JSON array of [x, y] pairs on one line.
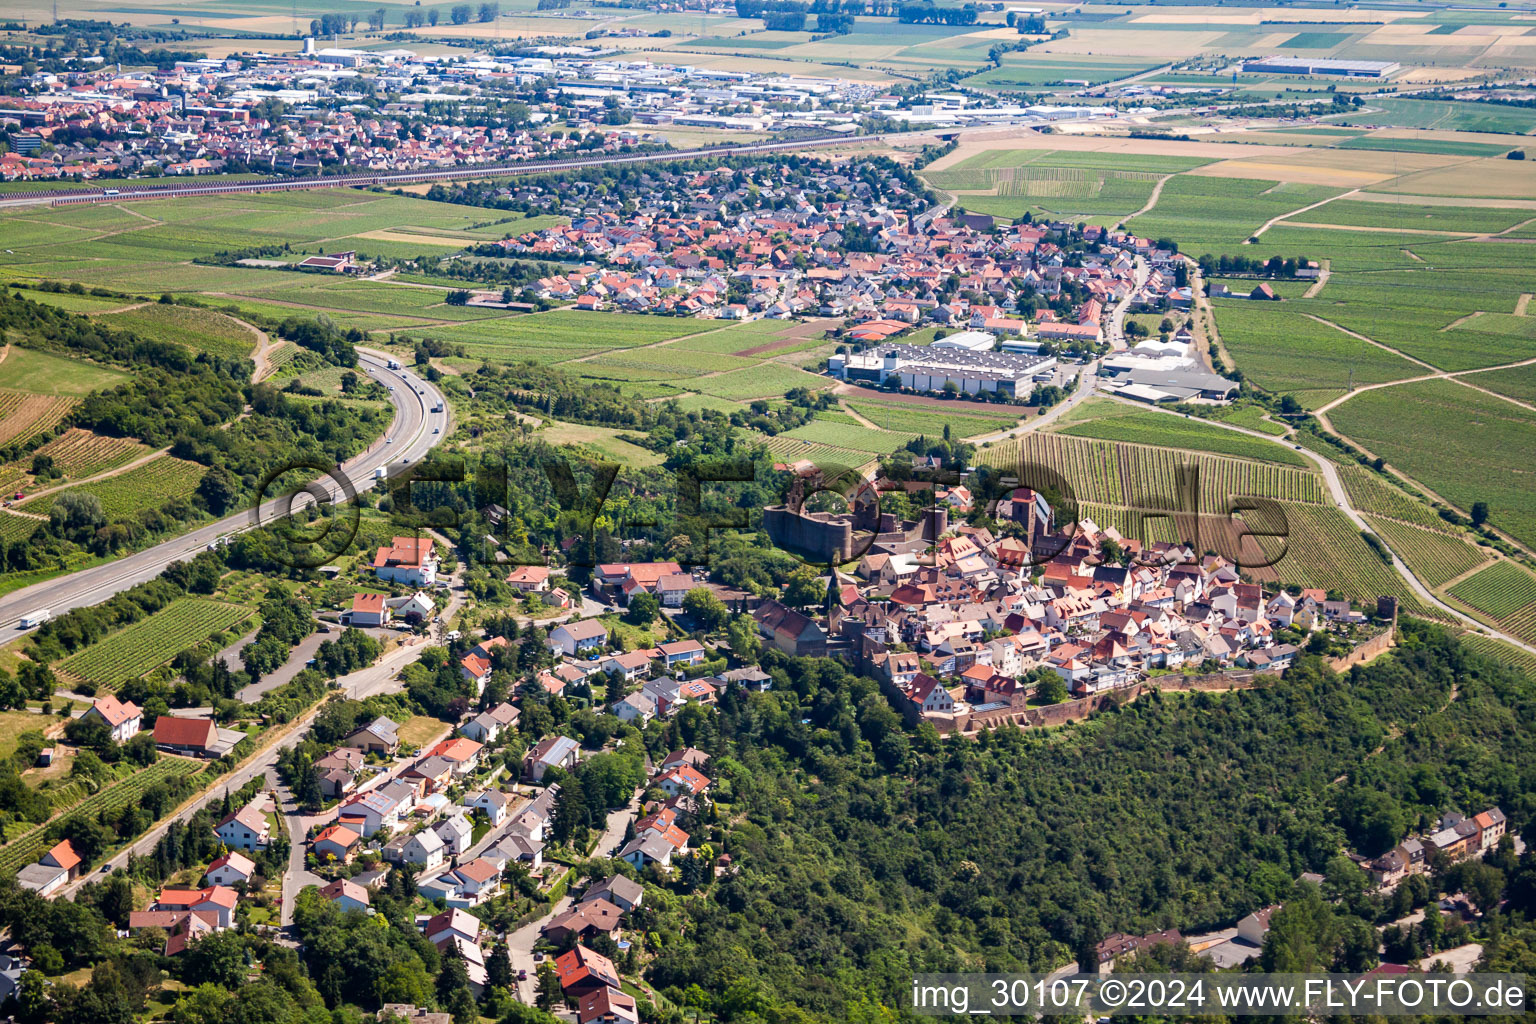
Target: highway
[[119, 191], [410, 436]]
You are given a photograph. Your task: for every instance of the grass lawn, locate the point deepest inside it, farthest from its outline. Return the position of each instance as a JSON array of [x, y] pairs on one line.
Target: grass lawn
[[26, 369], [418, 730], [14, 723]]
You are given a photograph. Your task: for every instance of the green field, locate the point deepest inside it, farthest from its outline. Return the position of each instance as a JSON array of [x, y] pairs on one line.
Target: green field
[[1436, 558], [565, 334], [931, 420], [1451, 115], [1216, 215], [1114, 421], [1027, 71], [27, 369], [1460, 443], [1447, 147], [765, 381], [1288, 353], [149, 643], [1504, 592], [1407, 215], [1370, 493], [1056, 182], [201, 330], [148, 486]]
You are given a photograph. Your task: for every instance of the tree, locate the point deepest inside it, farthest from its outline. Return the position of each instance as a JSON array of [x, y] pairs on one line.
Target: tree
[[218, 489], [643, 609], [1289, 406], [433, 16], [702, 606], [1052, 689], [489, 12], [745, 642], [805, 589], [461, 13], [547, 991], [1479, 513], [217, 959]]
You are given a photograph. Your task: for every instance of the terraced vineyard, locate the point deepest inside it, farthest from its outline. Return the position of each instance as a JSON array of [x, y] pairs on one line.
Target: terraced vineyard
[[146, 486], [28, 848], [1326, 550], [1506, 593], [23, 415], [1436, 558], [1369, 493], [80, 453], [149, 643], [1140, 426], [1498, 650], [1136, 476]]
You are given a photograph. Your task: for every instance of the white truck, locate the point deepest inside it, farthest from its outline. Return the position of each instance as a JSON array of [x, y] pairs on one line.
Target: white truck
[[380, 473], [34, 619], [394, 364]]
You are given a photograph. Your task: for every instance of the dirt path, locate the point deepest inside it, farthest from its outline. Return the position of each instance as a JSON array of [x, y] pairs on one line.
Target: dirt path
[[1157, 193], [105, 475], [863, 421], [1521, 303], [1322, 279], [1330, 474], [1284, 216]]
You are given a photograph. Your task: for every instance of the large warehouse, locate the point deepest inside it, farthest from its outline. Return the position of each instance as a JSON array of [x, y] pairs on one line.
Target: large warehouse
[[930, 368], [1278, 65]]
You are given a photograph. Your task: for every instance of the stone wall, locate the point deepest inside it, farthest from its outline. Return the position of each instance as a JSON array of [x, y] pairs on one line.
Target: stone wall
[[1371, 649]]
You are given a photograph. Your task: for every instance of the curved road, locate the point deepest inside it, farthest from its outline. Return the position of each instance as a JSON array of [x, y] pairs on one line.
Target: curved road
[[410, 436]]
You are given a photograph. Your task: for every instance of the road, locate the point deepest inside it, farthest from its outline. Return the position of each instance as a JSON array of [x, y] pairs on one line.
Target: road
[[1330, 476], [118, 191], [521, 942], [409, 436], [1116, 333], [375, 679]]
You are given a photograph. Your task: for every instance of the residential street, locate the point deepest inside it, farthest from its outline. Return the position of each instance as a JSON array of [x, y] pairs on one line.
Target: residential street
[[521, 942]]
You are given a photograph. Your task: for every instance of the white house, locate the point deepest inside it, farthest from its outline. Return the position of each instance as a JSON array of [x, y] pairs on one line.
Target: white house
[[425, 848], [230, 869], [408, 560], [122, 718], [455, 832], [570, 637], [347, 895], [493, 803], [246, 829]]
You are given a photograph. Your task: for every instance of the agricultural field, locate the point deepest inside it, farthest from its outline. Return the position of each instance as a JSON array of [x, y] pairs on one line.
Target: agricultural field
[[932, 421], [1216, 215], [1370, 493], [150, 643], [564, 334], [1505, 593], [1289, 353], [1462, 444], [1249, 417], [24, 415], [1009, 183], [1500, 651], [1446, 147], [1325, 550], [148, 486], [1028, 71], [72, 302], [1114, 421], [1518, 382], [1451, 115], [768, 380], [850, 437], [1434, 557], [103, 245], [42, 373], [29, 847], [1137, 476], [1405, 215], [201, 330], [80, 453]]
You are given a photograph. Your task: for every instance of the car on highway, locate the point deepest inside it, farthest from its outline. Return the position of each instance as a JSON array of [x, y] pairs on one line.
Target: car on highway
[[389, 440]]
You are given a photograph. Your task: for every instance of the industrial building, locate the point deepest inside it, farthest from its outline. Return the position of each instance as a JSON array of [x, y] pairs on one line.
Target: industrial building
[[1342, 67], [926, 368]]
